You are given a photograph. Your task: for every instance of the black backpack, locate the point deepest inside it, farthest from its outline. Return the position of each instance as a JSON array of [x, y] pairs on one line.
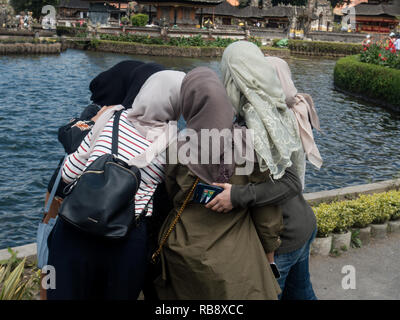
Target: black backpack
[[102, 200]]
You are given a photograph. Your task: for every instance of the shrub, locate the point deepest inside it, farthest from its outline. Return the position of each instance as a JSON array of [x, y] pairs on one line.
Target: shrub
[[343, 215], [13, 284], [373, 81], [70, 31], [125, 20], [324, 46], [381, 54], [359, 213], [280, 43], [326, 219], [359, 210], [139, 20]]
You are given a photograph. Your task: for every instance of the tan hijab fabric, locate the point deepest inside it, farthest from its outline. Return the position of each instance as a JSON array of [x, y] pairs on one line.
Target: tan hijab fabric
[[205, 105], [303, 107], [154, 114], [256, 93]]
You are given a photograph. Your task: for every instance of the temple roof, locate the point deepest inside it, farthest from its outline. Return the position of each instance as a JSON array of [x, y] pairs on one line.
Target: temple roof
[[194, 2], [225, 9], [366, 9], [74, 4]]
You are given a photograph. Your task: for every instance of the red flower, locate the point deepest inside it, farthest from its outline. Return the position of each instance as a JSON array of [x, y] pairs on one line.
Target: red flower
[[393, 50], [387, 48], [365, 48], [380, 54]]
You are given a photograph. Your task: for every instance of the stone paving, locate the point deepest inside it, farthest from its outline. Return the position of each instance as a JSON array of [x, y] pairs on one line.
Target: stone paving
[[377, 272]]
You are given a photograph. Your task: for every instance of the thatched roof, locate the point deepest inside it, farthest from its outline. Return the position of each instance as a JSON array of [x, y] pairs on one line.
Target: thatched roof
[[366, 9], [225, 9], [192, 2], [74, 4]]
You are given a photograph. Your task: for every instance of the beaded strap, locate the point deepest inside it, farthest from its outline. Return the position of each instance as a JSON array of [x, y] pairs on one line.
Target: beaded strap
[[164, 240]]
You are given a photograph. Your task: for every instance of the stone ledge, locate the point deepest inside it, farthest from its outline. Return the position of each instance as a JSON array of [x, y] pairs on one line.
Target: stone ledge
[[351, 192], [28, 250]]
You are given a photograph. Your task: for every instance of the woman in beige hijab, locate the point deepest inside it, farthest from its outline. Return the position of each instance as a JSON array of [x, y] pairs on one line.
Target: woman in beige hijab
[[259, 98], [303, 108]]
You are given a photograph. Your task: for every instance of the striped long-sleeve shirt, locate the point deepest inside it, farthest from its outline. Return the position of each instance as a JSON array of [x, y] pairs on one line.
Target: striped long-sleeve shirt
[[130, 144]]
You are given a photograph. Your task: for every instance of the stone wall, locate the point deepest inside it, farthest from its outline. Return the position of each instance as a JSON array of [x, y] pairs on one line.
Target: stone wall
[[29, 48], [160, 50]]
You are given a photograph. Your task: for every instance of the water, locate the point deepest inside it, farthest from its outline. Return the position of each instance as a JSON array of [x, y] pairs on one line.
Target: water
[[38, 94]]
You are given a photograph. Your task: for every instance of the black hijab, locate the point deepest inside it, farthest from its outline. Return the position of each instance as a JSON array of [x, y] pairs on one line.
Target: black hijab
[[109, 87], [121, 83], [137, 78]]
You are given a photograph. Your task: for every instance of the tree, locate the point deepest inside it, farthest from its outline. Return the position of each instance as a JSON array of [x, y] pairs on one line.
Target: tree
[[243, 3], [32, 5]]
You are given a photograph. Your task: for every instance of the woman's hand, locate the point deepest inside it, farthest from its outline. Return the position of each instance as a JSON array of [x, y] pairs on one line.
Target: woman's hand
[[101, 111], [222, 202]]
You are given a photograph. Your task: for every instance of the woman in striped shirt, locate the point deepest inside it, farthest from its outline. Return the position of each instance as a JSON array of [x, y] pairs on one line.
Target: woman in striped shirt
[[93, 268]]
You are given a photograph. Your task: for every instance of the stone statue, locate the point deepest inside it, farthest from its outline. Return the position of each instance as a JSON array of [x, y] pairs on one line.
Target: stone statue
[[7, 14]]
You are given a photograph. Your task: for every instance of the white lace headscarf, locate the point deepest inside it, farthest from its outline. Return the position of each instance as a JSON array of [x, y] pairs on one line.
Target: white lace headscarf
[[257, 95]]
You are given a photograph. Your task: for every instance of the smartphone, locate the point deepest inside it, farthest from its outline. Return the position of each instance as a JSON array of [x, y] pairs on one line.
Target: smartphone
[[275, 270], [204, 193]]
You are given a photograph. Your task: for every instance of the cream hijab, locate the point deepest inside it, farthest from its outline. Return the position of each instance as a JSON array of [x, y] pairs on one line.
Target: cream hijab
[[154, 114], [256, 94], [303, 107]]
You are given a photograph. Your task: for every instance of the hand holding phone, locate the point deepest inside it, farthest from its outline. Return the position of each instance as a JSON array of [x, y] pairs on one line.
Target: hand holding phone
[[204, 193]]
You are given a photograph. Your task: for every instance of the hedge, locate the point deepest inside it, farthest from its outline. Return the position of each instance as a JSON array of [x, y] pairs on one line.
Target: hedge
[[139, 20], [374, 82], [70, 31], [303, 46], [191, 41], [340, 216]]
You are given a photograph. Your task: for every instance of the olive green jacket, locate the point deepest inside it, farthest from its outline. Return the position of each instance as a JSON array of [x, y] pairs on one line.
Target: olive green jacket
[[211, 255]]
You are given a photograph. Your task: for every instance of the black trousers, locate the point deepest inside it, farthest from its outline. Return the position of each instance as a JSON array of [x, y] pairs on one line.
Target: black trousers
[[88, 267]]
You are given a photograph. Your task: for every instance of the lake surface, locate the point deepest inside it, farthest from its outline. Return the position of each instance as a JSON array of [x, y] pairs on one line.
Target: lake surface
[[360, 143]]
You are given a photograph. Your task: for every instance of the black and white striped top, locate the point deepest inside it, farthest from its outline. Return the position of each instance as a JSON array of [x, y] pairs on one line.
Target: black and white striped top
[[130, 144]]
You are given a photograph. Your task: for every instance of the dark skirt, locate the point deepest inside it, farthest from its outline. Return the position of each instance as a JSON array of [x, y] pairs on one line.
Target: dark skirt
[[89, 267]]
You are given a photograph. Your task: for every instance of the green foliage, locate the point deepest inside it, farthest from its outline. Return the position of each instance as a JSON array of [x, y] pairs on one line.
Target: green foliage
[[373, 81], [32, 5], [355, 239], [71, 31], [344, 216], [359, 209], [326, 219], [324, 47], [192, 41], [280, 43], [13, 284], [255, 40], [381, 54], [125, 20], [139, 20], [340, 216]]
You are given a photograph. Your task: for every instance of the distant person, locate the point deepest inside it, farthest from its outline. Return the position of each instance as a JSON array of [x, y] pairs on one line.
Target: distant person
[[397, 42], [367, 41]]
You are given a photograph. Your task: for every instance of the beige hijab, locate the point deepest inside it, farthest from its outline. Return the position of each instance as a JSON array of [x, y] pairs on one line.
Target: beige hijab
[[154, 114], [303, 107], [256, 93]]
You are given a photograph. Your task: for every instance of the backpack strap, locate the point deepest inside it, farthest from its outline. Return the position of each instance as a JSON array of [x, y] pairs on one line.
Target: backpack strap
[[114, 147]]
